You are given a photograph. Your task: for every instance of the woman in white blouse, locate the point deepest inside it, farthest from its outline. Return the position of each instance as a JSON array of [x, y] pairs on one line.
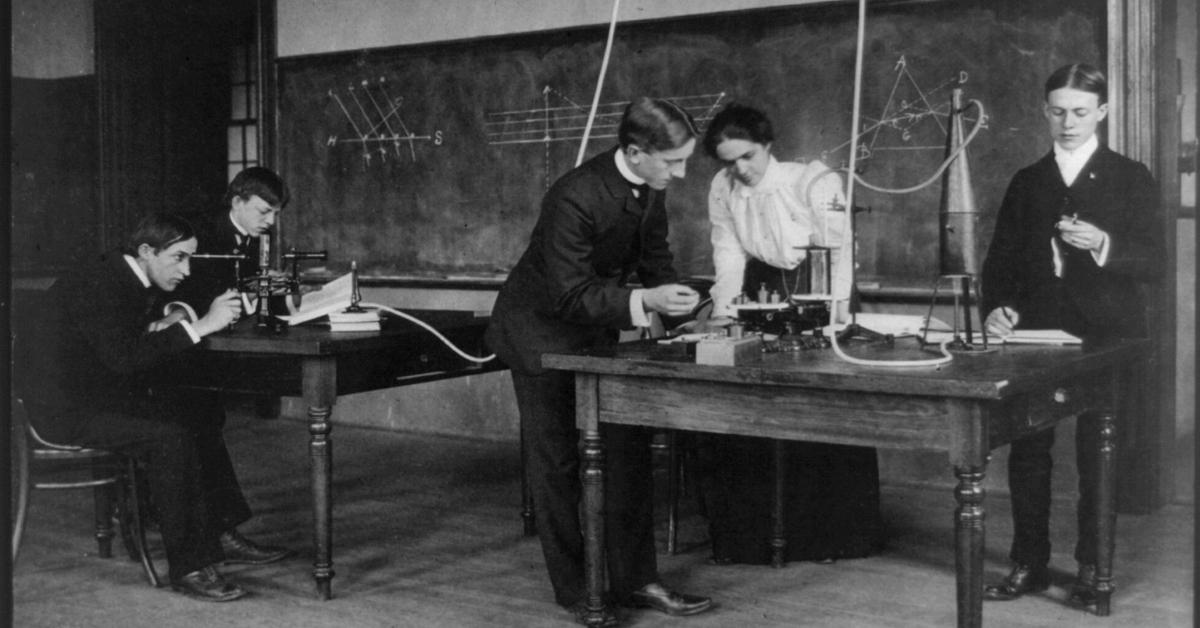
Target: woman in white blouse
[[767, 212], [764, 213]]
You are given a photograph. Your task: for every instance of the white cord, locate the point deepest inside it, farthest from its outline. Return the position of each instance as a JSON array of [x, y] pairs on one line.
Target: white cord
[[858, 63], [926, 183], [431, 330], [946, 356], [587, 130]]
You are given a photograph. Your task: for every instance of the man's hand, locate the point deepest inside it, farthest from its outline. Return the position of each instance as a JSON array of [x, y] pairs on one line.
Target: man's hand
[[1001, 321], [671, 299], [223, 312], [705, 327], [1081, 235]]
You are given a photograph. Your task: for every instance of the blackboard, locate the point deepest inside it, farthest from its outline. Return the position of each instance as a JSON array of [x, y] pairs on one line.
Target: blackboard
[[455, 199]]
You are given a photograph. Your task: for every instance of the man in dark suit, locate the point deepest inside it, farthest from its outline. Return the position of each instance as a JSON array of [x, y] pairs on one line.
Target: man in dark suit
[[101, 375], [252, 202], [1075, 240], [599, 223]]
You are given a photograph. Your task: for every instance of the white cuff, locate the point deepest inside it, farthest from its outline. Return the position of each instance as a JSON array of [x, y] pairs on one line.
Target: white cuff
[[637, 311], [1101, 256], [191, 331], [180, 305]]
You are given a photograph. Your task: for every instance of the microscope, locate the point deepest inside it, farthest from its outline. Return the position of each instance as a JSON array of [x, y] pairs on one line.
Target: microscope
[[271, 290]]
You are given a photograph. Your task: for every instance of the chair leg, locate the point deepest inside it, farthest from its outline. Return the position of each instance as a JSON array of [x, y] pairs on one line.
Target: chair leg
[[103, 502], [135, 522], [21, 475]]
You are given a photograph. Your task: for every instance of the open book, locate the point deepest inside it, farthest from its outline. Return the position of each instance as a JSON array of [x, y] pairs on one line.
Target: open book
[[334, 296]]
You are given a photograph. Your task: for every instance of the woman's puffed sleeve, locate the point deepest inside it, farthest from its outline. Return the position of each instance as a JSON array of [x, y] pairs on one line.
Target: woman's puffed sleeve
[[729, 257]]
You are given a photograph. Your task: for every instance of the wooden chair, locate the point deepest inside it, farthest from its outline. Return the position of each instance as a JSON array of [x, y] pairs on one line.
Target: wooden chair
[[112, 477]]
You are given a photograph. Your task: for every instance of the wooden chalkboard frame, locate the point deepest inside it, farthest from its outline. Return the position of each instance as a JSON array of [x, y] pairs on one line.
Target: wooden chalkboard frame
[[462, 210]]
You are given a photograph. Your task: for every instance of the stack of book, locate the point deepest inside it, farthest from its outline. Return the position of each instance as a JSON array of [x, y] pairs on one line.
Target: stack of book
[[367, 320]]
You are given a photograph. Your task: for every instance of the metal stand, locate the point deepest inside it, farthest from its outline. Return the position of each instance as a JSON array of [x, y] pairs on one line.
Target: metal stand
[[964, 336]]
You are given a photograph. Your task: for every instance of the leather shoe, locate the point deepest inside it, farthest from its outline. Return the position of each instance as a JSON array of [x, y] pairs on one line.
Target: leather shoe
[[659, 598], [580, 611], [209, 585], [1083, 591], [240, 550], [1021, 580]]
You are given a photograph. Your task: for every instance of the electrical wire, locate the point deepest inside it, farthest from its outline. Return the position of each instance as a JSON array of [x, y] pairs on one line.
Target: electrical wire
[[837, 349], [979, 123], [587, 129], [430, 329]]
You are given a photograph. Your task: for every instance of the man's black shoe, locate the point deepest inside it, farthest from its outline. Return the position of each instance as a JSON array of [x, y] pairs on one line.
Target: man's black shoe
[[1021, 580], [240, 550], [659, 598], [1083, 591], [209, 585], [580, 611]]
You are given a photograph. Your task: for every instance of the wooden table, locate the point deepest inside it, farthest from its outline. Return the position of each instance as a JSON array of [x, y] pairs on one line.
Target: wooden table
[[966, 408], [319, 365]]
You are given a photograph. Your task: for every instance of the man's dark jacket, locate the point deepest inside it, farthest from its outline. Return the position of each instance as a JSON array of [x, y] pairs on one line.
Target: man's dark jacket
[[568, 290], [1113, 192]]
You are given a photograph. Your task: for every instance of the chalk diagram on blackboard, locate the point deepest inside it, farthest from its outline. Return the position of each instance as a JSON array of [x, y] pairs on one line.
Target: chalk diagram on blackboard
[[374, 116], [561, 119], [908, 120], [566, 122]]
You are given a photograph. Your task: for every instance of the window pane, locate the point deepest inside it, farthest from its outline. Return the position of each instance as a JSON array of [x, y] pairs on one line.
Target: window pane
[[252, 113], [239, 102], [239, 64], [251, 142], [233, 170], [236, 146]]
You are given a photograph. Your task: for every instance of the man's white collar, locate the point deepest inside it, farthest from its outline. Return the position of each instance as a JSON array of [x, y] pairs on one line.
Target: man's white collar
[[624, 168], [238, 227], [137, 270], [1084, 152]]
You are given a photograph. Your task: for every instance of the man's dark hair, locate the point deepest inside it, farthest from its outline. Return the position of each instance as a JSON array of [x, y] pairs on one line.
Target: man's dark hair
[[1080, 76], [738, 122], [257, 181], [655, 125], [159, 230]]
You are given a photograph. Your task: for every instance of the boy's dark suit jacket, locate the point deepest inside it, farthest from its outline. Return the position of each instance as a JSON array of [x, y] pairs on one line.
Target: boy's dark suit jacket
[[90, 349], [1113, 192], [568, 289]]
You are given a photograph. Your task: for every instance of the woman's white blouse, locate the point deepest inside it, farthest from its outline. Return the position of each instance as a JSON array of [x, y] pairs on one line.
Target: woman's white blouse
[[791, 207]]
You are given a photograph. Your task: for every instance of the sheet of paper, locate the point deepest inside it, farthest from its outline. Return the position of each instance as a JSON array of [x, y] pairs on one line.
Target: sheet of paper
[[1042, 337], [332, 297]]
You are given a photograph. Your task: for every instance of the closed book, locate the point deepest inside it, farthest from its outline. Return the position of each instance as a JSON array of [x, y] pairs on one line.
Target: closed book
[[365, 316], [364, 326]]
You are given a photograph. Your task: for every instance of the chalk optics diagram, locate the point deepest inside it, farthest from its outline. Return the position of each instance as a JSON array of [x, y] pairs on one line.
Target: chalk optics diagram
[[373, 115], [908, 120]]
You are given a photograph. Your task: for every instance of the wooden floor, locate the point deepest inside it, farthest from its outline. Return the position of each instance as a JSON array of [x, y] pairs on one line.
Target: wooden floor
[[427, 534]]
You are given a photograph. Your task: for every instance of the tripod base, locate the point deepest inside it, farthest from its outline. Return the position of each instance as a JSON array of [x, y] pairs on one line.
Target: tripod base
[[964, 339]]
